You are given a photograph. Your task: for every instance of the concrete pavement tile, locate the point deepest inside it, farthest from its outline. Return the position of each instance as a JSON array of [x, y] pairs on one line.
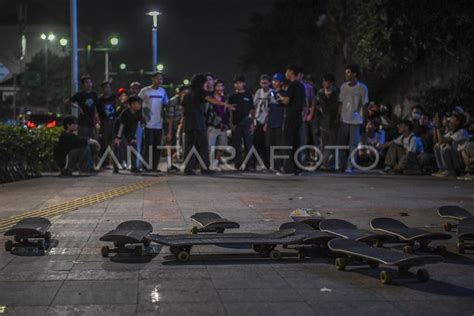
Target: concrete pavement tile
[[151, 292], [28, 293], [260, 295], [101, 292], [33, 276], [102, 275], [181, 308], [357, 307], [25, 310], [116, 310], [266, 308], [435, 307], [246, 277]]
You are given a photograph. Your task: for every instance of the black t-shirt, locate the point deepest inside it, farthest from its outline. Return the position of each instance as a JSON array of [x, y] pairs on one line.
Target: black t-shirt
[[129, 121], [244, 104], [297, 95], [66, 143], [87, 102], [106, 108], [194, 104]]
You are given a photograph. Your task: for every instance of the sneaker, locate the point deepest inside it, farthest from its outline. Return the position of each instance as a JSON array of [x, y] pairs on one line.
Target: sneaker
[[349, 170], [444, 174], [437, 173]]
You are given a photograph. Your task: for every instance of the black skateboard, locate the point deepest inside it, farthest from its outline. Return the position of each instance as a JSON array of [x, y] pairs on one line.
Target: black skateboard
[[211, 222], [465, 233], [344, 229], [29, 233], [314, 240], [127, 234], [453, 212], [265, 244], [359, 253], [409, 235], [307, 216]]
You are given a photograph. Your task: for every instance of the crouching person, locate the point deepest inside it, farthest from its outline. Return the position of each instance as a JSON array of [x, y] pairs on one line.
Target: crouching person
[[125, 131], [403, 151], [73, 152]]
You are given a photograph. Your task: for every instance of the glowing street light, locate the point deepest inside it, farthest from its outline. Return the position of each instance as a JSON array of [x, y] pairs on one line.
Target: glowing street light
[[43, 36], [51, 37], [185, 82], [63, 42], [154, 15], [123, 66], [160, 67], [114, 41]]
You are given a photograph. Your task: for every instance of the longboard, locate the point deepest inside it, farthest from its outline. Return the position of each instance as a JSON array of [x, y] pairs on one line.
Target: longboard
[[211, 222], [316, 239], [358, 253], [307, 216], [27, 229], [264, 243], [409, 235], [127, 233], [453, 212], [344, 229], [465, 233]]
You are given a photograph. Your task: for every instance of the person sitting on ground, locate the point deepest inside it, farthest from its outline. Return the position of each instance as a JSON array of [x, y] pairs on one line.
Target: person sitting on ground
[[374, 137], [125, 132], [403, 151], [468, 152], [73, 152], [424, 130], [448, 150]]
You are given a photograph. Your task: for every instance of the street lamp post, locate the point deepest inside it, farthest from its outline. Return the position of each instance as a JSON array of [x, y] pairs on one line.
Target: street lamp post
[[74, 60], [154, 38], [114, 42], [46, 39]]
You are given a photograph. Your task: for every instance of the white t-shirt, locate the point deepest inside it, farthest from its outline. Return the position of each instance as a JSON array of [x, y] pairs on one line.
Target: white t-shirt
[[261, 101], [153, 102], [353, 99], [458, 137], [410, 143]]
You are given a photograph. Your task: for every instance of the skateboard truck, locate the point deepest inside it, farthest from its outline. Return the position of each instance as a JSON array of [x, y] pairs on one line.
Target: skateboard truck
[[29, 233], [128, 237]]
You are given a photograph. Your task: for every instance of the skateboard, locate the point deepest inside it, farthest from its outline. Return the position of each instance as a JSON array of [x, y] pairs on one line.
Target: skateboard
[[211, 222], [453, 212], [465, 233], [29, 233], [314, 238], [307, 216], [359, 253], [409, 235], [264, 244], [129, 233], [344, 229]]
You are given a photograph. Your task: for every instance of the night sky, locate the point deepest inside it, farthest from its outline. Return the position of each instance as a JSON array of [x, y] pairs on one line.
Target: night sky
[[194, 36]]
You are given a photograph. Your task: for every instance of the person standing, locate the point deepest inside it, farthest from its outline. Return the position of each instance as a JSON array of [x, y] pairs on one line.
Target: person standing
[[294, 102], [154, 99], [107, 114], [135, 88], [241, 122], [174, 112], [217, 125], [85, 105], [353, 101], [261, 101]]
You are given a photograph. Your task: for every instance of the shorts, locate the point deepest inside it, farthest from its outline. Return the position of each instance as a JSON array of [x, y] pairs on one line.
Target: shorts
[[216, 136]]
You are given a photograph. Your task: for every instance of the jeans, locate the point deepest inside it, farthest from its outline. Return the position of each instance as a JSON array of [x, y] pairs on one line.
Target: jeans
[[152, 141], [198, 140], [241, 133], [348, 134]]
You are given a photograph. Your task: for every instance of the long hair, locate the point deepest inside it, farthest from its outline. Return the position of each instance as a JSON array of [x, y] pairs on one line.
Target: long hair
[[198, 81]]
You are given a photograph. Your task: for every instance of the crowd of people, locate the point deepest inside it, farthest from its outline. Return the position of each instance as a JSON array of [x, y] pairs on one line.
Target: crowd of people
[[287, 126]]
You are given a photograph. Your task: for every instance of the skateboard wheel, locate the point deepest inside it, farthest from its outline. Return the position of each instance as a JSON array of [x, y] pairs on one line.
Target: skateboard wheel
[[441, 250], [422, 275], [341, 263], [138, 251], [258, 248], [385, 277], [461, 247], [47, 236], [408, 249], [8, 245], [105, 251], [373, 264], [183, 256], [194, 230], [448, 227], [275, 255]]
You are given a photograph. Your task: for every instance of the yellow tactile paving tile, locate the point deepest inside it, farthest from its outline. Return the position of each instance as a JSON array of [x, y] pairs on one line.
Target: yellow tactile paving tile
[[75, 204]]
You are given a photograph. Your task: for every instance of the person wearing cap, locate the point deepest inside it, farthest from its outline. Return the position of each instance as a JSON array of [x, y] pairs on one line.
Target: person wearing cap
[[154, 100], [135, 88], [261, 100], [107, 115], [324, 118], [274, 122], [122, 101], [241, 122], [84, 105]]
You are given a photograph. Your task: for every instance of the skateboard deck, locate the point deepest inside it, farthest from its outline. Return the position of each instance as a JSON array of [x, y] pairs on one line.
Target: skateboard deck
[[359, 252], [262, 243], [26, 229], [465, 233], [127, 233], [307, 216], [312, 236], [401, 231], [344, 229], [453, 212], [211, 222]]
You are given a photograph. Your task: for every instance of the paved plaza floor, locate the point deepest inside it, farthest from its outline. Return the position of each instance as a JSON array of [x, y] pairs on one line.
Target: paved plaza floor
[[73, 277]]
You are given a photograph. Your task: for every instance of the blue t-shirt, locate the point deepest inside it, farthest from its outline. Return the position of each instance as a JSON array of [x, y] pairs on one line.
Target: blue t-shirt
[[276, 112]]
